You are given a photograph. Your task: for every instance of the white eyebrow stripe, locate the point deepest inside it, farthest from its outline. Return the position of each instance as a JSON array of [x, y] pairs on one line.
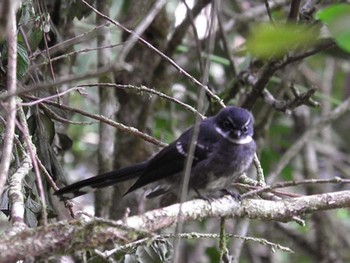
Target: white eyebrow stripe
[[248, 121]]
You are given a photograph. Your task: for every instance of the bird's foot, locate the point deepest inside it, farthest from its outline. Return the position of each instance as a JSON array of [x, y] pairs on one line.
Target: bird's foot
[[234, 195], [218, 194]]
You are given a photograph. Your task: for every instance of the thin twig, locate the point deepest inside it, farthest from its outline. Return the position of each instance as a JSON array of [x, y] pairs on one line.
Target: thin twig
[[259, 170], [172, 62], [289, 105], [268, 188], [50, 113], [322, 46], [194, 137], [193, 235], [69, 42], [71, 236], [148, 90], [294, 11], [317, 127], [225, 43], [31, 150], [61, 81], [241, 228], [119, 126], [224, 255], [15, 191], [73, 53], [140, 29], [52, 183], [11, 89], [198, 46], [268, 11], [40, 100]]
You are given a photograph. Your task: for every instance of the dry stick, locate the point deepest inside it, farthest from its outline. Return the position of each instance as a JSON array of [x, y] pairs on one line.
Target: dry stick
[[327, 134], [241, 229], [276, 193], [49, 58], [193, 235], [16, 198], [67, 237], [148, 90], [295, 148], [259, 170], [181, 30], [224, 254], [58, 118], [107, 107], [139, 30], [268, 188], [268, 11], [322, 46], [260, 83], [195, 36], [194, 137], [31, 150], [52, 183], [172, 62], [265, 73], [11, 89], [257, 11], [119, 126], [76, 235], [73, 53], [69, 42], [40, 100], [294, 11], [225, 44], [60, 81]]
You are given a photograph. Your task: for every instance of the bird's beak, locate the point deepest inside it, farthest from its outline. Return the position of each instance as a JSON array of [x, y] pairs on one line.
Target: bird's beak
[[235, 134]]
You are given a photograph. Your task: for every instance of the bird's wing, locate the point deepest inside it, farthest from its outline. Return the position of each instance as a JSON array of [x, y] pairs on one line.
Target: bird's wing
[[171, 159]]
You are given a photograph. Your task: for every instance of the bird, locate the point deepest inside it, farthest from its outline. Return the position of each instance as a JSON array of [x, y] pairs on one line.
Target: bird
[[224, 150]]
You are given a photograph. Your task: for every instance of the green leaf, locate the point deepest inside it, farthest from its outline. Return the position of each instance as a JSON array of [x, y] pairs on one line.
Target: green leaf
[[22, 60], [47, 128], [337, 18], [4, 201], [267, 41], [157, 252], [35, 37]]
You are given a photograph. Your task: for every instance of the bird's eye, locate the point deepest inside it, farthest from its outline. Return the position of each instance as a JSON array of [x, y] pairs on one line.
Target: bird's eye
[[226, 125], [245, 128]]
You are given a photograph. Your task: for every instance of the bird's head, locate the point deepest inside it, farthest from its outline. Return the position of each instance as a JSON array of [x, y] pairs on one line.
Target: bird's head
[[235, 124]]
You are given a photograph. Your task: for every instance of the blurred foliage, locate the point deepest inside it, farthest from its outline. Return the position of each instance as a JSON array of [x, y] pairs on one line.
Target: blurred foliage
[[22, 59], [70, 150], [275, 41], [337, 18]]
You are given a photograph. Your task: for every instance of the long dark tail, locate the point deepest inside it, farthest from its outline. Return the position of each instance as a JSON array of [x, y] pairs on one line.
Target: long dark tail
[[100, 181]]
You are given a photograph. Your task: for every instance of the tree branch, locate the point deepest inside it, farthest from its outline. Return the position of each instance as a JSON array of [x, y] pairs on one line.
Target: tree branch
[[11, 88], [68, 236]]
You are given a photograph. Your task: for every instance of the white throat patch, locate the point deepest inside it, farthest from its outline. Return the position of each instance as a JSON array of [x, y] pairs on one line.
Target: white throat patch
[[244, 140]]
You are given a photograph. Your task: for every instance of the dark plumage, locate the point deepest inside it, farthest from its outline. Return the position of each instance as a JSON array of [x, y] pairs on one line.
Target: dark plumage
[[224, 150]]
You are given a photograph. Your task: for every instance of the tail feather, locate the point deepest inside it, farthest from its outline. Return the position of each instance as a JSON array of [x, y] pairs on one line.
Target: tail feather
[[100, 181]]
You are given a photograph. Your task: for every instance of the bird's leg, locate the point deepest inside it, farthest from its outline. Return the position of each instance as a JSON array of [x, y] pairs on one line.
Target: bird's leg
[[234, 195], [217, 195], [200, 196]]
